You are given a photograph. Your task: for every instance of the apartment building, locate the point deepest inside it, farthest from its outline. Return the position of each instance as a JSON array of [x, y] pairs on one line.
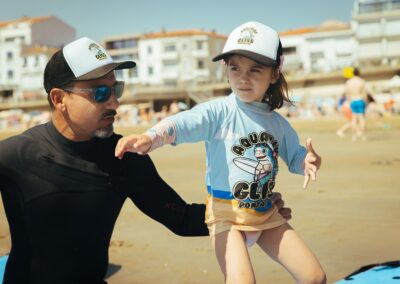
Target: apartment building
[[376, 25], [180, 58], [34, 60], [121, 48], [15, 37], [324, 48]]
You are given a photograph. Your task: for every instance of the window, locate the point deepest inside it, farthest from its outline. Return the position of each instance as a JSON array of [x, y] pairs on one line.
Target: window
[[170, 48], [170, 63], [289, 50], [171, 83], [149, 50], [150, 70], [133, 73], [200, 64], [199, 45], [18, 39], [9, 56], [122, 57], [10, 74], [120, 44], [119, 74], [317, 55]]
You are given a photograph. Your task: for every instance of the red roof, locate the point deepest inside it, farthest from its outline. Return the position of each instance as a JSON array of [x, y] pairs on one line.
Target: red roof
[[26, 19]]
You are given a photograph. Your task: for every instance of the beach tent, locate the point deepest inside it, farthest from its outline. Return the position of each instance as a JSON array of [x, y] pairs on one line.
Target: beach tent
[[380, 273]]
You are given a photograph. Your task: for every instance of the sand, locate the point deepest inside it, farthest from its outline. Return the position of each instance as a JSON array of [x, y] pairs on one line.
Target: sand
[[349, 217]]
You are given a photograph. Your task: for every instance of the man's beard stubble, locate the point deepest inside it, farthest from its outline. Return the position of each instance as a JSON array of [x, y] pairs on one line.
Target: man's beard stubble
[[104, 132]]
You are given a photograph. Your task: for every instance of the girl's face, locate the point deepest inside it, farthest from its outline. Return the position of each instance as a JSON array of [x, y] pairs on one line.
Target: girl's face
[[248, 79]]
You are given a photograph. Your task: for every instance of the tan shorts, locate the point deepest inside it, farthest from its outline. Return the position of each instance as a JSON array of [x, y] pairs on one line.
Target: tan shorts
[[223, 215]]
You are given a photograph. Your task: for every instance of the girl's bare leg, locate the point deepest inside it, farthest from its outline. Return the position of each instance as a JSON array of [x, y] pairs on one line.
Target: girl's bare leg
[[233, 257], [286, 247]]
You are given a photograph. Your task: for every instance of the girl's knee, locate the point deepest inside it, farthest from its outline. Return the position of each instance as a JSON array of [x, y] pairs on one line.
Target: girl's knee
[[317, 277], [234, 279]]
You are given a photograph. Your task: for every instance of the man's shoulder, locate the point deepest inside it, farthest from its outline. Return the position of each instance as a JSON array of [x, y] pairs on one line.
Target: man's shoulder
[[31, 135], [18, 140]]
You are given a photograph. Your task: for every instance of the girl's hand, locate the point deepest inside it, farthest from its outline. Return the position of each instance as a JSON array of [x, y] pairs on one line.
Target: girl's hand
[[140, 144], [312, 162]]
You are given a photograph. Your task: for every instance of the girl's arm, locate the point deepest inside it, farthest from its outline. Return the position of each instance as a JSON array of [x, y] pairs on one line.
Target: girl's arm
[[160, 134]]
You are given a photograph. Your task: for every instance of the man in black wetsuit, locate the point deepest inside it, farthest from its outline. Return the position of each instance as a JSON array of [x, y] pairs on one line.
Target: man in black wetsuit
[[63, 189]]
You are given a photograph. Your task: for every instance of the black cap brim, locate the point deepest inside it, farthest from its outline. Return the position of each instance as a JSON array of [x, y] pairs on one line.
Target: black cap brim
[[254, 56], [104, 70]]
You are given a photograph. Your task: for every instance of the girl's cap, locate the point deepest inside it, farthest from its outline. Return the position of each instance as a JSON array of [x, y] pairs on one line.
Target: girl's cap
[[255, 41]]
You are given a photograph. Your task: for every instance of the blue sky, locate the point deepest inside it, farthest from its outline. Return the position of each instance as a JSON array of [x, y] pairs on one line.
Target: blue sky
[[99, 19]]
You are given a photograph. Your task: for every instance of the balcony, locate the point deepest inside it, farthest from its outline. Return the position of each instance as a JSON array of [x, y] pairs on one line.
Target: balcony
[[200, 53]]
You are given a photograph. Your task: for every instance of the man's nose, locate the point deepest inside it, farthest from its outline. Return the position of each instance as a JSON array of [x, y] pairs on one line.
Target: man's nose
[[113, 102]]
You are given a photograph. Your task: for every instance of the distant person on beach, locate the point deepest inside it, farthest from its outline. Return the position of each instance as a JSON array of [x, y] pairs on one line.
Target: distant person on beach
[[62, 187], [244, 136], [344, 108], [355, 90]]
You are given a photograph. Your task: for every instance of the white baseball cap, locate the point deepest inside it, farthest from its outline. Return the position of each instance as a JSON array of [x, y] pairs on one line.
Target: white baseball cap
[[255, 41], [82, 59]]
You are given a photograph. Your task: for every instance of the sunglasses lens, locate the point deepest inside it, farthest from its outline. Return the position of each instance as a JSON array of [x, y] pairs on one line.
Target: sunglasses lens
[[118, 89], [102, 94]]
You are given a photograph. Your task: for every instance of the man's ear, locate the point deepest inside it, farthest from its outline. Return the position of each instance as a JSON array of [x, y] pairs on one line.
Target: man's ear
[[57, 98]]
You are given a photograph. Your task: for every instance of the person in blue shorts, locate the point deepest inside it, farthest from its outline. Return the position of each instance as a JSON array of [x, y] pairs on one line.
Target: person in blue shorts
[[355, 90]]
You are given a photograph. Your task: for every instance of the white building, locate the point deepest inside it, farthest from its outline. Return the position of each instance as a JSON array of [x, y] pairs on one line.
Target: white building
[[31, 82], [121, 48], [376, 24], [180, 58], [15, 37], [325, 48]]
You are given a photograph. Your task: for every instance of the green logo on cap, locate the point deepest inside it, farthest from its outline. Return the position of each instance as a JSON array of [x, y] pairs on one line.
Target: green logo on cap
[[247, 35], [98, 52]]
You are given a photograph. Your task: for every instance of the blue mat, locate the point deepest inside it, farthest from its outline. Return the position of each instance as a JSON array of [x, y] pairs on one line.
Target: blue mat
[[385, 273], [3, 261]]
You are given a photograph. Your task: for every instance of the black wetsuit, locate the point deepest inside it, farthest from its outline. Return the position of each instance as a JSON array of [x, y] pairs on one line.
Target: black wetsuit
[[62, 199]]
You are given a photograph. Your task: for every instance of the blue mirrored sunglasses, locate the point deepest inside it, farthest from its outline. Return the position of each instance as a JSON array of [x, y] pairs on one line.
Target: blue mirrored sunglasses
[[100, 94]]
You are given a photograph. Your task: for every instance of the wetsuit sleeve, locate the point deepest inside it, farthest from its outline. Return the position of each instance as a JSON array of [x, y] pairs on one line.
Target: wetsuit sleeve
[[154, 197]]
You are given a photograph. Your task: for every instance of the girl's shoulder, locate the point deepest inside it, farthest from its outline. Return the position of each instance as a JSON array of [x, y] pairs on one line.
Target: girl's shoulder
[[217, 104]]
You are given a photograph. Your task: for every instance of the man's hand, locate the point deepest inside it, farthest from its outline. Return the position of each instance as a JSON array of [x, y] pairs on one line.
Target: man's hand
[[312, 162], [284, 211]]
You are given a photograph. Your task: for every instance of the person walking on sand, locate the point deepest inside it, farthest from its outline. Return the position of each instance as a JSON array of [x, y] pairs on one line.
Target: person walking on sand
[[244, 136], [355, 91], [344, 108]]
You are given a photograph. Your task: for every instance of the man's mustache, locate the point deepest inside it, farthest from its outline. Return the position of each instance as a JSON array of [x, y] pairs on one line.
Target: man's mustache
[[109, 113]]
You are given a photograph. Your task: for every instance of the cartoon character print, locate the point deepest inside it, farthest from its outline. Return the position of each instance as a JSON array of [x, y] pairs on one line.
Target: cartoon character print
[[263, 167], [97, 51], [265, 170], [247, 35]]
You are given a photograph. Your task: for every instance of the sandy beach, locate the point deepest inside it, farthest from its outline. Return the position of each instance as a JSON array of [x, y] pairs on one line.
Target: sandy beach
[[349, 217]]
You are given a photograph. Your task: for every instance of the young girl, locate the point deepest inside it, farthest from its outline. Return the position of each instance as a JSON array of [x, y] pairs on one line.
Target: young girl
[[244, 136]]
